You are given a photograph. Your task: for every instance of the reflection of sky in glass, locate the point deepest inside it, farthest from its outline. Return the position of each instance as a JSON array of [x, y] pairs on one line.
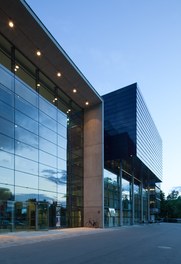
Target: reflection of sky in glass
[[125, 188], [6, 127], [26, 136], [47, 121], [7, 176], [26, 165], [6, 111], [26, 180], [26, 151], [26, 93], [40, 162], [6, 160], [109, 176], [6, 143], [26, 122], [47, 108], [46, 184]]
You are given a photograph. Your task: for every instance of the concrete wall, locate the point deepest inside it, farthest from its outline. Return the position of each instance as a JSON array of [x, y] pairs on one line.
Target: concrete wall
[[94, 165]]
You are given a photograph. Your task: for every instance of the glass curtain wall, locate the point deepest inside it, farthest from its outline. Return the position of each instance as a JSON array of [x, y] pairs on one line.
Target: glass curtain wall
[[132, 195], [39, 167], [111, 199]]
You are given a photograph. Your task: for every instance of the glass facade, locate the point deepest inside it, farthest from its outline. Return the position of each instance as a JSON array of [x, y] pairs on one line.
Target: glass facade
[[41, 148], [111, 199], [149, 143], [133, 154]]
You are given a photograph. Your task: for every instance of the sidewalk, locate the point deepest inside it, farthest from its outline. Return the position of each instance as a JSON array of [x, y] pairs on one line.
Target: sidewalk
[[30, 237]]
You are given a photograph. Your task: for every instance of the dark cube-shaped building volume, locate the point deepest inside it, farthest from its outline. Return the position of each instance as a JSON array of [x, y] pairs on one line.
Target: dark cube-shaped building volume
[[133, 158], [59, 167]]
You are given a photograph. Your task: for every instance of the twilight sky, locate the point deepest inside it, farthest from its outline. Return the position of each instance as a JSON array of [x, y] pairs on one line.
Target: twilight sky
[[119, 42]]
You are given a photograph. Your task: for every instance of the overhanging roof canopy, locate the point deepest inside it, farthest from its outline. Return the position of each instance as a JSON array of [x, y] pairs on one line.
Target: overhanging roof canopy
[[28, 35]]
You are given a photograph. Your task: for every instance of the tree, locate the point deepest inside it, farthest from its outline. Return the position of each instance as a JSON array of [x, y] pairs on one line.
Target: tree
[[170, 208], [173, 195]]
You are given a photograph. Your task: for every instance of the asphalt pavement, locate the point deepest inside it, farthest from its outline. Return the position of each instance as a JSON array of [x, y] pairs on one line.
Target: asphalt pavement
[[143, 244]]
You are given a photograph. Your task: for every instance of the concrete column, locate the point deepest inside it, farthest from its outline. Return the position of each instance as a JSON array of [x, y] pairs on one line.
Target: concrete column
[[94, 165], [120, 197]]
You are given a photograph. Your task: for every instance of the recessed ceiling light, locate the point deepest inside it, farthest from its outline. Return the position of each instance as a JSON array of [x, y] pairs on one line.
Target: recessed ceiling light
[[59, 74], [11, 24], [74, 90], [38, 84], [16, 68], [38, 53], [86, 103]]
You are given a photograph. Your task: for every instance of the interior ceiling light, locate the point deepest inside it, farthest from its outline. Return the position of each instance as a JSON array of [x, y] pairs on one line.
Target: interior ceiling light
[[86, 103], [11, 24], [38, 84], [38, 53], [74, 90], [59, 74]]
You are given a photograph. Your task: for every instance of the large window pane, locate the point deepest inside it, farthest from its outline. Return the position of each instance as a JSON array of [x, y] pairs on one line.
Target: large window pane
[[26, 93], [6, 95], [62, 164], [6, 176], [47, 159], [26, 180], [47, 134], [62, 153], [6, 143], [26, 165], [26, 151], [25, 136], [62, 142], [27, 122], [6, 159], [62, 130], [62, 188], [47, 146], [6, 111], [6, 127], [48, 108], [26, 108], [47, 171], [47, 121], [48, 183], [62, 118]]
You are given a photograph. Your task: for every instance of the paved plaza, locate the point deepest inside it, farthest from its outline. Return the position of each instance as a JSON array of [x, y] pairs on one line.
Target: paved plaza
[[143, 244]]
